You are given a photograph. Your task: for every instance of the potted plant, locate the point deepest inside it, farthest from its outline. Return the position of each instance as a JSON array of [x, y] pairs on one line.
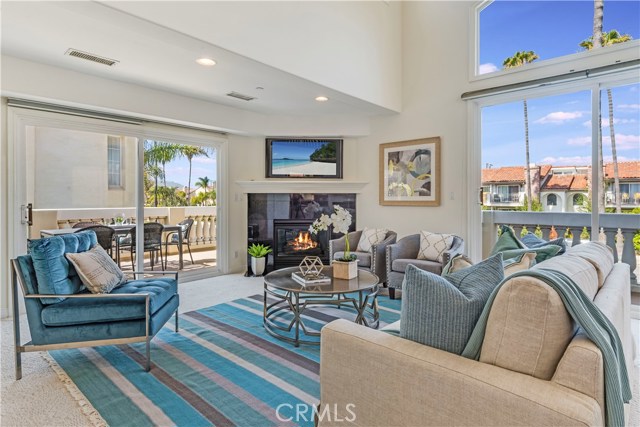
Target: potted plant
[[345, 267], [258, 254]]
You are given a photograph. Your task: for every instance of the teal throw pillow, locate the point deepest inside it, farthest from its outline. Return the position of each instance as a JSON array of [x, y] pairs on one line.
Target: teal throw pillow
[[542, 253], [54, 273], [533, 241], [441, 312], [510, 246], [507, 241]]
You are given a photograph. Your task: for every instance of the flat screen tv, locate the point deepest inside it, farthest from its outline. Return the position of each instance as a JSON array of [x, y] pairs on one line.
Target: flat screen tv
[[304, 158]]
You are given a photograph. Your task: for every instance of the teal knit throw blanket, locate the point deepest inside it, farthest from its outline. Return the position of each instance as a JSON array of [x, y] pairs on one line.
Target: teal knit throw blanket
[[597, 328]]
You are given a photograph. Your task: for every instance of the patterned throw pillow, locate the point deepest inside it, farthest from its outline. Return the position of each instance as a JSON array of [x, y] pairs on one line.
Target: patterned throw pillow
[[433, 245], [99, 273], [370, 237], [442, 311]]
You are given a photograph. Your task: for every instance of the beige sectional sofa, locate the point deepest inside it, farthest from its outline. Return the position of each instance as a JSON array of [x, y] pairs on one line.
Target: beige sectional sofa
[[534, 368]]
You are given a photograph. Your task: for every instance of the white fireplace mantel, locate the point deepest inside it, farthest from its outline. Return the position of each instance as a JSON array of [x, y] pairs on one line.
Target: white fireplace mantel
[[301, 186]]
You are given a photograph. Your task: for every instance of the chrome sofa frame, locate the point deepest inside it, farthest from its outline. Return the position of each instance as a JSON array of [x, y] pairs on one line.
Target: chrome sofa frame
[[29, 347]]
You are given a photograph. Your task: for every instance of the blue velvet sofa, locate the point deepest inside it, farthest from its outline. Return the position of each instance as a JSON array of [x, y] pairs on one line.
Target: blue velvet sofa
[[71, 317]]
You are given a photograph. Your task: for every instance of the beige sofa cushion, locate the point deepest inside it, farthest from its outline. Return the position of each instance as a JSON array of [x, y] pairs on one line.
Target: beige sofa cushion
[[528, 328], [598, 254], [581, 271]]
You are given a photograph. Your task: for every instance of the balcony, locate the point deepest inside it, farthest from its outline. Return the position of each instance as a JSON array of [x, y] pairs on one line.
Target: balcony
[[503, 200], [202, 238], [616, 230]]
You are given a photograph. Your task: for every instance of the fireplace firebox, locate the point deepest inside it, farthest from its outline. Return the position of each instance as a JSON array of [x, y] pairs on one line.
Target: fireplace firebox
[[292, 241]]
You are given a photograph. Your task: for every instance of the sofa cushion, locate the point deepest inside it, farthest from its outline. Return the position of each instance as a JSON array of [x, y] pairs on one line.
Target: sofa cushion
[[528, 328], [54, 272], [370, 237], [598, 254], [442, 312], [364, 258], [77, 311], [580, 270], [533, 241], [434, 245], [430, 266], [97, 270]]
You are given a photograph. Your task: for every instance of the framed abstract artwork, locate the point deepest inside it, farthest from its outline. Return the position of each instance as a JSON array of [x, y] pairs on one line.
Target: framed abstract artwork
[[410, 173]]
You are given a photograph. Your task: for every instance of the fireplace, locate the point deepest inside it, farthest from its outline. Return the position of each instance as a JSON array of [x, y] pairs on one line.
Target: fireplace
[[292, 241]]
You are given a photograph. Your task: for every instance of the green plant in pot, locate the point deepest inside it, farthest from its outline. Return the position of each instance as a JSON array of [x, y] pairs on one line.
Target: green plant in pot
[[258, 254]]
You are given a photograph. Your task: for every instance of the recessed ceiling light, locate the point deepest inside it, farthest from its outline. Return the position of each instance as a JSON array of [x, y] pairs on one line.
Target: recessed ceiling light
[[207, 62], [322, 98]]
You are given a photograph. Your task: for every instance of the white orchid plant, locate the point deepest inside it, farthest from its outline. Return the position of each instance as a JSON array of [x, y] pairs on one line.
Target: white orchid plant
[[341, 221]]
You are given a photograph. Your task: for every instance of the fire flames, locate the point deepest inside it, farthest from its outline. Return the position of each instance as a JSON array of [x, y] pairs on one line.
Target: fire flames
[[303, 242]]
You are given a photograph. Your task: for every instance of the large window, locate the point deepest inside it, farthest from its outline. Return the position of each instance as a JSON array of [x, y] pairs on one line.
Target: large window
[[549, 29]]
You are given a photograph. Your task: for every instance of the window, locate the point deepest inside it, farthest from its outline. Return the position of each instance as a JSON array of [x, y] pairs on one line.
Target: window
[[507, 27], [552, 200], [114, 161], [578, 199]]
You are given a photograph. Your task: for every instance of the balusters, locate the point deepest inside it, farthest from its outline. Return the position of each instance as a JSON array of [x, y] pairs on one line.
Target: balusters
[[629, 253], [546, 231], [610, 240]]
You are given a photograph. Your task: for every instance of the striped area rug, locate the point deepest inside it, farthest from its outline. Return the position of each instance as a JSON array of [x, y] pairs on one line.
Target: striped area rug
[[221, 369]]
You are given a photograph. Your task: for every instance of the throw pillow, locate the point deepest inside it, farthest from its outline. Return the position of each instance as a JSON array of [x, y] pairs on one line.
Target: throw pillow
[[442, 311], [433, 245], [99, 273], [523, 261], [533, 241], [370, 237], [510, 246], [54, 273]]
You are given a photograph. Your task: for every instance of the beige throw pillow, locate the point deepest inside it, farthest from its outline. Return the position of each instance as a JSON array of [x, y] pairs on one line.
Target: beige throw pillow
[[433, 245], [99, 273], [370, 237]]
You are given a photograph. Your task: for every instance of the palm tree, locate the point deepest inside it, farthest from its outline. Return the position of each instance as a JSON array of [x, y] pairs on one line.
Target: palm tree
[[607, 39], [204, 183], [519, 59], [191, 151], [163, 153]]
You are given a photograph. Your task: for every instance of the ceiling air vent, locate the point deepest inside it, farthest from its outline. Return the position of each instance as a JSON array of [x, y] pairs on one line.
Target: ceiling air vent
[[91, 57], [241, 96]]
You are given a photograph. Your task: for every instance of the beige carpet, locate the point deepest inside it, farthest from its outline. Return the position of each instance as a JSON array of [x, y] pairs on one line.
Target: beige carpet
[[42, 399]]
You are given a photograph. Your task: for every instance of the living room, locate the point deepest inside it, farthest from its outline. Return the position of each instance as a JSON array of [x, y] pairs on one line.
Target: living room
[[392, 72]]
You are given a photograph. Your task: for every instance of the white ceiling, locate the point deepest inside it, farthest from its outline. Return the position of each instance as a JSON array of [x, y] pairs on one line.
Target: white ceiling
[[160, 58]]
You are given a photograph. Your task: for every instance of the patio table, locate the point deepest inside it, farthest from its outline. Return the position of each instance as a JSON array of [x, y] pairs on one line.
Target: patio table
[[122, 229]]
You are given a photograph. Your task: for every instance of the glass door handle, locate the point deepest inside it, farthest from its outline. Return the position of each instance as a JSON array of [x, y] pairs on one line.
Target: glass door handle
[[26, 214]]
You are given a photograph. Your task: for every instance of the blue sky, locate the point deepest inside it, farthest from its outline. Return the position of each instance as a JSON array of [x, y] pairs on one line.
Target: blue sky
[[298, 150], [559, 126], [549, 28], [178, 170]]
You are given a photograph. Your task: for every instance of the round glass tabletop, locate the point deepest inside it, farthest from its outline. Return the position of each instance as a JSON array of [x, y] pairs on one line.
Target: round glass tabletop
[[281, 279]]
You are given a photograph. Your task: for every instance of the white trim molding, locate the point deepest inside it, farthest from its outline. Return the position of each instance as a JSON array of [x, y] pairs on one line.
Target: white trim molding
[[291, 186]]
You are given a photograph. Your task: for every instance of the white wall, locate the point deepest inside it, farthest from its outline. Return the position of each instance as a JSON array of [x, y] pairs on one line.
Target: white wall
[[350, 46], [434, 76]]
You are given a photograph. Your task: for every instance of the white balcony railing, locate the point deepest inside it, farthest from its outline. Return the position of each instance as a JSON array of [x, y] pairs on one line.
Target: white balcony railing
[[616, 230]]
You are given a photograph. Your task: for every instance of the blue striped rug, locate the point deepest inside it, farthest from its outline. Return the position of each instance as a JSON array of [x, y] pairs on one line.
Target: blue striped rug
[[221, 369]]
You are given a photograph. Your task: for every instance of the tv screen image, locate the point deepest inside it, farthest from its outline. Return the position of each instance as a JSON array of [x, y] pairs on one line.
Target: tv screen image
[[304, 158]]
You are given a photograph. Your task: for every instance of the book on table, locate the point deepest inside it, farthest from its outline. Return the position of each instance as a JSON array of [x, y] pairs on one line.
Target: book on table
[[319, 280]]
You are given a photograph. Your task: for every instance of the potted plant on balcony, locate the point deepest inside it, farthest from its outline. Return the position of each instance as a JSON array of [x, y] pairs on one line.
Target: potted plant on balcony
[[258, 254], [345, 267]]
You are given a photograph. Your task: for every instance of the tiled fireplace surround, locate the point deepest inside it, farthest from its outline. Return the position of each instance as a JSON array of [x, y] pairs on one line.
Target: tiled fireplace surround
[[278, 218]]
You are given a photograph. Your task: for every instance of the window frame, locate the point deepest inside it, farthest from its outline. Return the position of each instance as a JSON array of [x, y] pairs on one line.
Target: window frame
[[546, 67]]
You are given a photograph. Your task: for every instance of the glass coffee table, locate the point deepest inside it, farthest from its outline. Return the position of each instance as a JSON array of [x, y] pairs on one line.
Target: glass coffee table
[[285, 302]]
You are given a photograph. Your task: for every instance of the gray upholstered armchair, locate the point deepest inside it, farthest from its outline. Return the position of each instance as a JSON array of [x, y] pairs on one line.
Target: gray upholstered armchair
[[372, 261], [405, 252]]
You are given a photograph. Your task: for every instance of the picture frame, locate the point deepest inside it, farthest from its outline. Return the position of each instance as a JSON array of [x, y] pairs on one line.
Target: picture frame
[[410, 172]]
